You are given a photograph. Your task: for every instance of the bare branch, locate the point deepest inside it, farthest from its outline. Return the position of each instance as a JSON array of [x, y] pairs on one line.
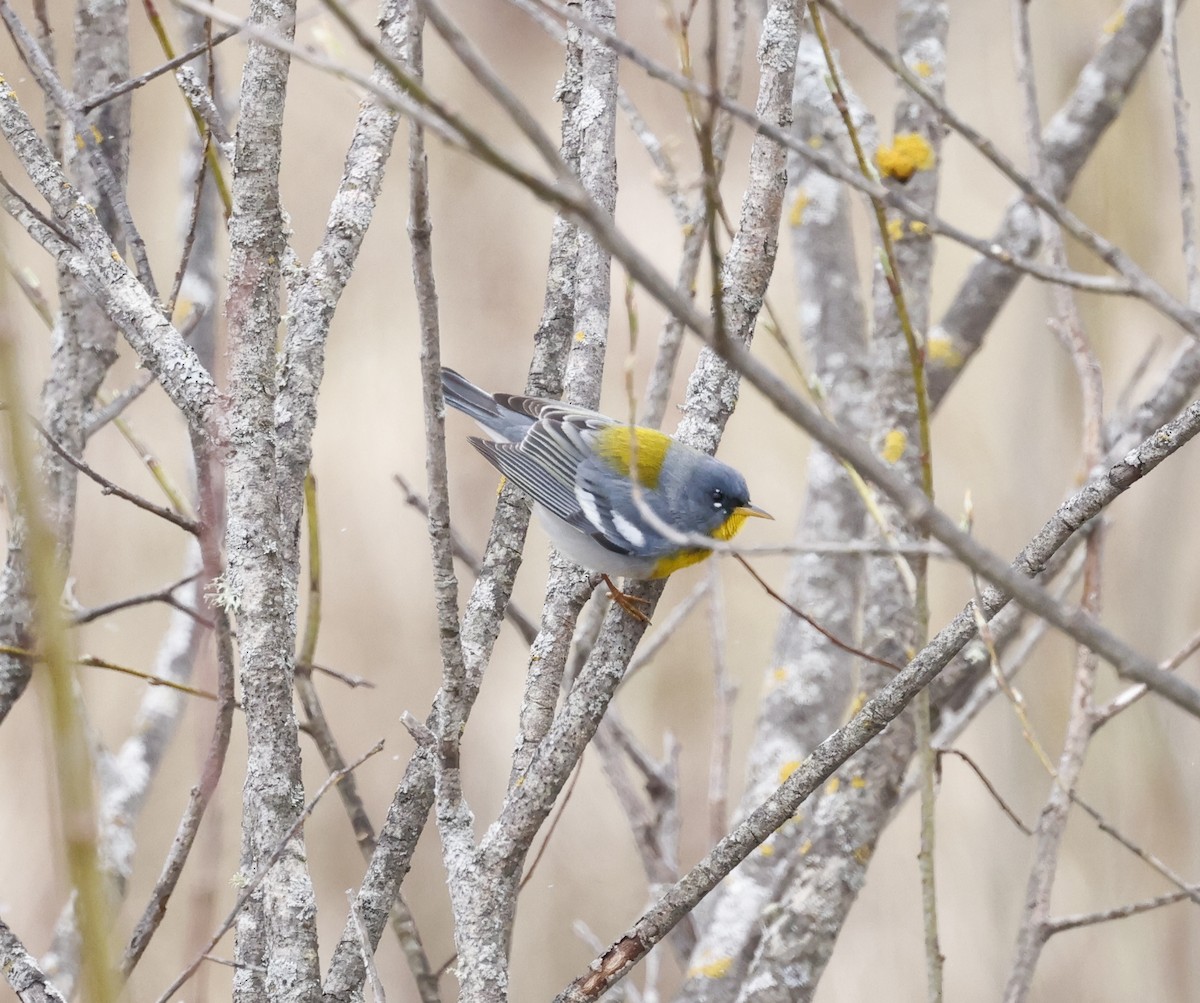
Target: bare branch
[[110, 488], [269, 861], [22, 973]]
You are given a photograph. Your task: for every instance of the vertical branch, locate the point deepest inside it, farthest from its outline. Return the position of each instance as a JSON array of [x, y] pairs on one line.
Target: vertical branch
[[276, 932], [589, 140], [485, 607], [84, 346], [810, 682], [1035, 929], [1183, 160], [314, 297], [724, 693], [694, 225], [597, 125], [712, 393], [922, 27], [484, 885], [452, 704], [456, 695]]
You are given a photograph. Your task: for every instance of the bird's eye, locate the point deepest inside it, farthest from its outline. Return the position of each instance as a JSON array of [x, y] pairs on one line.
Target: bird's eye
[[718, 497]]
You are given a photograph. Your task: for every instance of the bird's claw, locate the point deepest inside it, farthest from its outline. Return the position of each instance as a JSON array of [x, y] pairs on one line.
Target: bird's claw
[[627, 602]]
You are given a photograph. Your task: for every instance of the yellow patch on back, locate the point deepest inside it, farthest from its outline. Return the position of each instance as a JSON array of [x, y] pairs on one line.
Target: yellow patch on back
[[645, 447]]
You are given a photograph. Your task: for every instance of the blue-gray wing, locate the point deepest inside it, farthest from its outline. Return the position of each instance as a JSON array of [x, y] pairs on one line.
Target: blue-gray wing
[[555, 466]]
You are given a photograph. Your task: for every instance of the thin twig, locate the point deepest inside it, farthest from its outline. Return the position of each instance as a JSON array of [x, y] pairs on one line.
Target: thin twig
[[1077, 920], [368, 955], [248, 889], [1126, 699], [1106, 827], [351, 680], [163, 595], [133, 83], [110, 488], [106, 179], [1183, 160], [724, 693], [189, 233], [201, 794], [1035, 190], [991, 789], [837, 642], [525, 626]]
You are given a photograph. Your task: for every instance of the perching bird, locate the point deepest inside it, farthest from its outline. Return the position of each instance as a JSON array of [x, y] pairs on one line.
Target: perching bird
[[577, 467]]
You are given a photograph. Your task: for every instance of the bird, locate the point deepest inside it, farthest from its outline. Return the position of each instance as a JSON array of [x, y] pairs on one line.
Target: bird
[[592, 479]]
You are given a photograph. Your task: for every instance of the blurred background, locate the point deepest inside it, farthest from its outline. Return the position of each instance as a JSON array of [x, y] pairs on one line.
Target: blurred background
[[1009, 434]]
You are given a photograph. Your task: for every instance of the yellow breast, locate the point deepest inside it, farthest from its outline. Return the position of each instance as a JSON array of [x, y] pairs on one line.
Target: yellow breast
[[694, 555], [683, 559]]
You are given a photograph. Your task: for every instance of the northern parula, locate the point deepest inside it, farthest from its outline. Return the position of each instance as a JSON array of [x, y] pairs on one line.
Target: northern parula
[[578, 466]]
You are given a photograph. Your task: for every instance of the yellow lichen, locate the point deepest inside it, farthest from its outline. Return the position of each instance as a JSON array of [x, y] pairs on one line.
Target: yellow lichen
[[893, 445], [710, 970], [833, 786], [796, 213], [767, 850], [917, 227], [779, 675], [856, 704], [862, 853], [941, 350], [858, 781], [804, 847], [1115, 23], [922, 69], [816, 142], [788, 768], [579, 336], [909, 153], [895, 229]]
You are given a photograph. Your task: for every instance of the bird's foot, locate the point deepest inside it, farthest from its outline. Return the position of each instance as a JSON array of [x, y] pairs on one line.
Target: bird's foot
[[627, 602]]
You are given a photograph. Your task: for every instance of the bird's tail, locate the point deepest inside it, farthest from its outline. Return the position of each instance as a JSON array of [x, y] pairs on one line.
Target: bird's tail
[[495, 416], [471, 400]]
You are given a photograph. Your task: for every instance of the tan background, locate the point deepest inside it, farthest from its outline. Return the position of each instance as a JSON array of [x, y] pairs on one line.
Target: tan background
[[1008, 433]]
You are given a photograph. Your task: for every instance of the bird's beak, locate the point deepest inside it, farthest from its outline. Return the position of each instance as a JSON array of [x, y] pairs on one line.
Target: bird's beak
[[752, 512]]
